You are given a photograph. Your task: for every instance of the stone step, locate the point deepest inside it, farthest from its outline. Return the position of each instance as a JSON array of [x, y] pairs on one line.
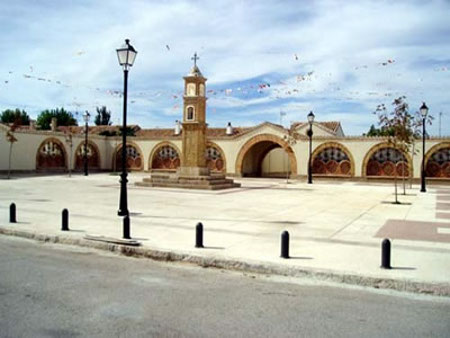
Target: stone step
[[214, 181], [202, 178], [189, 186], [187, 181], [202, 182]]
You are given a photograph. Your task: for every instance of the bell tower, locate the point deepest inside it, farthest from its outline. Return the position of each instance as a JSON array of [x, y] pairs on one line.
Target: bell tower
[[193, 172], [193, 161]]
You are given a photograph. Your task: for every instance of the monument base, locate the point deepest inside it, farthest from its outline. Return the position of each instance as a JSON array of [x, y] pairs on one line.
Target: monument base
[[189, 178]]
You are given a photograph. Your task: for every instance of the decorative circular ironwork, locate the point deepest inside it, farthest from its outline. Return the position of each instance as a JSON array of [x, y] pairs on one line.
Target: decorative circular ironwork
[[388, 168], [134, 158], [92, 157], [373, 168], [387, 162], [446, 170], [345, 167], [402, 169], [214, 159], [328, 162], [442, 156], [166, 158], [332, 166], [438, 164], [51, 156], [318, 167], [433, 169]]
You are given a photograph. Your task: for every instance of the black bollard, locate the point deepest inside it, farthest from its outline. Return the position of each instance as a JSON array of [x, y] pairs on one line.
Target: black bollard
[[126, 227], [199, 235], [386, 254], [12, 213], [65, 220], [285, 244]]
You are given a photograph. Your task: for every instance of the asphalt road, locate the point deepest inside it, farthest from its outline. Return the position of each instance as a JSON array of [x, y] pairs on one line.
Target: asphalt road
[[61, 291]]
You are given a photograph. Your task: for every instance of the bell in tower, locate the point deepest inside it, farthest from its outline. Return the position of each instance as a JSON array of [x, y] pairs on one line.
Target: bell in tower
[[194, 95]]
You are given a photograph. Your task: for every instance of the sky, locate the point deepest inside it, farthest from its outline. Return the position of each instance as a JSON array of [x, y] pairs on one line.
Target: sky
[[265, 60]]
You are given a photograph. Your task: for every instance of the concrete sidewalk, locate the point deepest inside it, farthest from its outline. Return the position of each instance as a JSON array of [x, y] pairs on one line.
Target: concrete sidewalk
[[336, 228]]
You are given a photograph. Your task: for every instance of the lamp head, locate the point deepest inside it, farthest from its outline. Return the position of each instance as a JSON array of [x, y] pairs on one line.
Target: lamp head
[[126, 55], [311, 117], [86, 116], [424, 110]]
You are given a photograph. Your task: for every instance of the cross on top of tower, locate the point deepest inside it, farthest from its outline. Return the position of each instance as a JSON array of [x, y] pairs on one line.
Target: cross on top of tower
[[195, 58]]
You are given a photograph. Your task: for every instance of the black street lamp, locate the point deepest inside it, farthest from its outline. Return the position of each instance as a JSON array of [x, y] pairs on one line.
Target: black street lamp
[[310, 134], [126, 55], [86, 117], [424, 113]]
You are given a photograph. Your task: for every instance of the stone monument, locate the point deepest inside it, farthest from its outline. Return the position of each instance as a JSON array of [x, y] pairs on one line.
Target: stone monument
[[193, 172]]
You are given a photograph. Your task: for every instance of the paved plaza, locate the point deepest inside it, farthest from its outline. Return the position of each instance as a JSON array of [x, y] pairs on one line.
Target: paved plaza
[[334, 227]]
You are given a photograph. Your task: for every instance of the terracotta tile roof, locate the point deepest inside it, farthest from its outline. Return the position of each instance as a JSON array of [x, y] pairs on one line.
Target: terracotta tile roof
[[96, 129], [75, 129], [79, 129], [156, 133], [331, 125], [221, 132], [169, 132], [16, 128]]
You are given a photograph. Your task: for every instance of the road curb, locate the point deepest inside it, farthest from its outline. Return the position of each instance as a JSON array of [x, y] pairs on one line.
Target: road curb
[[436, 289]]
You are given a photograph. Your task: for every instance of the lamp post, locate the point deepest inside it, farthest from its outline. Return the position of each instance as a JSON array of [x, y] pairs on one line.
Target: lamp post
[[86, 117], [310, 134], [424, 113], [126, 55]]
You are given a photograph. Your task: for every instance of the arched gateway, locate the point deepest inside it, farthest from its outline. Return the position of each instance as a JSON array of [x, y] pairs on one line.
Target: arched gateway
[[332, 159], [51, 155], [250, 157], [166, 156], [134, 158], [383, 160], [93, 156], [437, 161]]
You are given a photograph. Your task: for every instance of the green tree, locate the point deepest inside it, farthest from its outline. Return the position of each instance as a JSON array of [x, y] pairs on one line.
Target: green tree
[[108, 133], [63, 118], [17, 116], [128, 130], [103, 117], [373, 131], [401, 124]]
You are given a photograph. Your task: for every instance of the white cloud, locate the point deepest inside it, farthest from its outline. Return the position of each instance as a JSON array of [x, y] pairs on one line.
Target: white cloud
[[237, 41]]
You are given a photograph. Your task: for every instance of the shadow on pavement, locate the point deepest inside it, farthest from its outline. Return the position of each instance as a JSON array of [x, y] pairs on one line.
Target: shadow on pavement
[[399, 203], [402, 268]]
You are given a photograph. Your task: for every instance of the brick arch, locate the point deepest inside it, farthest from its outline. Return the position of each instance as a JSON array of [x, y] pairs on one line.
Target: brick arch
[[94, 162], [377, 147], [432, 168], [222, 154], [340, 146], [119, 166], [265, 138], [159, 146], [51, 162]]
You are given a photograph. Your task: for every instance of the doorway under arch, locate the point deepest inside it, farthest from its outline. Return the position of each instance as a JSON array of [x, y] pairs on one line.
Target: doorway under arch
[[255, 154]]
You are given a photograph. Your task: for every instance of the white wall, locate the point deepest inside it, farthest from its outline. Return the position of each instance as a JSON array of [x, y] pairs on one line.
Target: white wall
[[25, 149], [276, 162]]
